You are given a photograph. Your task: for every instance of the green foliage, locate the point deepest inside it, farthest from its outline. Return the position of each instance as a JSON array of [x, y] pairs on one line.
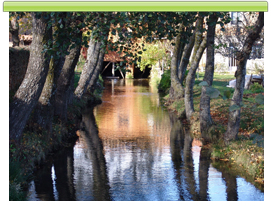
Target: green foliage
[[165, 81], [155, 78], [256, 88], [129, 75], [259, 99], [151, 55], [227, 94]]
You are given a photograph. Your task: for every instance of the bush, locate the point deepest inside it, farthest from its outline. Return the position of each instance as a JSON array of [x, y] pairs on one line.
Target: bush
[[155, 77], [129, 75], [165, 82], [256, 88]]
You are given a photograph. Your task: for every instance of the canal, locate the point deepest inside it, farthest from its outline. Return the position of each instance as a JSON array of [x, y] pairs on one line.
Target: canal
[[130, 148]]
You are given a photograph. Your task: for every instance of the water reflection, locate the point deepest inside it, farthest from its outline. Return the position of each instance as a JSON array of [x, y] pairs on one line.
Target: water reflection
[[136, 151], [182, 158], [94, 148], [54, 181]]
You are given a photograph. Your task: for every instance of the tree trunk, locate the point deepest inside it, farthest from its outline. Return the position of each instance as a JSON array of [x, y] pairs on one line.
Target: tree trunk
[[89, 68], [176, 89], [234, 116], [65, 79], [14, 30], [44, 110], [187, 53], [97, 71], [206, 121], [190, 81], [29, 91]]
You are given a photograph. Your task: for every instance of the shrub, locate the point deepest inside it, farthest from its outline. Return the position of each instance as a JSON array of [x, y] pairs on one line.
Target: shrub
[[256, 88], [129, 75], [165, 81]]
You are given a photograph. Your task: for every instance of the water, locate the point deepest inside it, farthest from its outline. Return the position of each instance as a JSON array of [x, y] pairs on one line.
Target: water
[[130, 148]]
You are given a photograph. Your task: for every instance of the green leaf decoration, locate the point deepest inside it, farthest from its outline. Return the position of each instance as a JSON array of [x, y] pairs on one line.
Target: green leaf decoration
[[259, 99], [234, 107], [212, 92], [204, 83]]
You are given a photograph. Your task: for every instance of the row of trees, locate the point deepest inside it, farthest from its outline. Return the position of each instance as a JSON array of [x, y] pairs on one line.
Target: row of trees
[[47, 88], [200, 39]]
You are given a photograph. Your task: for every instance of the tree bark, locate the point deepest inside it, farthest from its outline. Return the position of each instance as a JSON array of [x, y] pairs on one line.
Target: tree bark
[[90, 66], [206, 121], [44, 110], [14, 30], [29, 91], [65, 79], [234, 116], [95, 76], [187, 53], [190, 81], [176, 88]]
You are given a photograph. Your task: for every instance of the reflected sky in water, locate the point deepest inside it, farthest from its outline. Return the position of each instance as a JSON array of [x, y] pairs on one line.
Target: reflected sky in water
[[130, 148]]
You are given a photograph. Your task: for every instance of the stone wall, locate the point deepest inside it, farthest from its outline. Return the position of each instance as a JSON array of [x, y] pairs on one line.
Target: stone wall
[[18, 61]]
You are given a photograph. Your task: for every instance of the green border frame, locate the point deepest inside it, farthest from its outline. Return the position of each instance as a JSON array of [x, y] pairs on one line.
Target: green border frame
[[110, 6]]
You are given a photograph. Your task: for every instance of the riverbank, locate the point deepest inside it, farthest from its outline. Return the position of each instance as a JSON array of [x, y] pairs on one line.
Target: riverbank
[[246, 153], [37, 143]]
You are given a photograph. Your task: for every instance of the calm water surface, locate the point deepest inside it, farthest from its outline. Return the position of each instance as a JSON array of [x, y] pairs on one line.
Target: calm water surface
[[130, 148]]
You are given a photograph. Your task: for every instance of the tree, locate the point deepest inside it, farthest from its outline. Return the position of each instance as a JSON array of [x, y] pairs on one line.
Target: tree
[[67, 72], [100, 24], [234, 35], [206, 121], [199, 48], [155, 52], [96, 52], [29, 91], [242, 57]]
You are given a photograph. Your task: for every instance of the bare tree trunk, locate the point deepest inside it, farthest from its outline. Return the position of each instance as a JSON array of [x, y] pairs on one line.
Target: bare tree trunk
[[14, 30], [29, 91], [43, 111], [94, 51], [176, 88], [186, 54], [190, 81], [234, 116], [206, 121], [97, 71]]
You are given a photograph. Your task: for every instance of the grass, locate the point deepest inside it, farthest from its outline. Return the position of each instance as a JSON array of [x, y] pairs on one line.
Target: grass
[[245, 152]]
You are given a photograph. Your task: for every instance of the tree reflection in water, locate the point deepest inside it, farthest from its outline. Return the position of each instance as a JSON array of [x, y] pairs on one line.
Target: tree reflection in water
[[55, 180], [89, 133], [182, 158], [141, 152]]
